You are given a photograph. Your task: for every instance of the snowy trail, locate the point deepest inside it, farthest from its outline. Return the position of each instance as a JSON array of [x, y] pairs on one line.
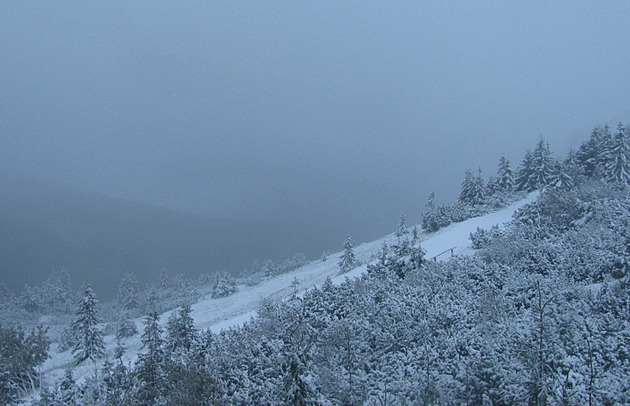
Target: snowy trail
[[234, 310]]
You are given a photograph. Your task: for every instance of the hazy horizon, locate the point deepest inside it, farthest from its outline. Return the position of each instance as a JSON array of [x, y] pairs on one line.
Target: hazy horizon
[[328, 118]]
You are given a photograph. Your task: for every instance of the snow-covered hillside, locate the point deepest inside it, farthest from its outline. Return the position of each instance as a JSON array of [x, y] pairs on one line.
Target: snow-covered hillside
[[222, 313]]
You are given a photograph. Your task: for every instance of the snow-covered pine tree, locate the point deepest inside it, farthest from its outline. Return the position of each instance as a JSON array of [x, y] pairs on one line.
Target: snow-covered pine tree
[[348, 260], [522, 181], [149, 366], [224, 286], [181, 330], [402, 230], [68, 389], [590, 155], [562, 178], [430, 204], [298, 383], [505, 176], [90, 343], [479, 189], [466, 193], [536, 170], [128, 293], [543, 164], [473, 190], [269, 269], [617, 157]]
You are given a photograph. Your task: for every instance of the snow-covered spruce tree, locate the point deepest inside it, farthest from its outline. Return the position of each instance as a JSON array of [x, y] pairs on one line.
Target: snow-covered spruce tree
[[466, 193], [402, 230], [617, 157], [224, 286], [505, 176], [67, 390], [430, 203], [90, 343], [57, 294], [298, 384], [473, 190], [523, 174], [479, 189], [562, 178], [180, 330], [269, 269], [536, 170], [591, 153], [128, 293], [149, 366], [348, 260]]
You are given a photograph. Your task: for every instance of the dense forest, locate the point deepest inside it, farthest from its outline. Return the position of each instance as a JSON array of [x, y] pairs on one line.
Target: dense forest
[[539, 314]]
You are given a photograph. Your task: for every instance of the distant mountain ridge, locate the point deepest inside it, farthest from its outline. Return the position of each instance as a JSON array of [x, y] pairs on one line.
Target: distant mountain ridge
[[98, 238]]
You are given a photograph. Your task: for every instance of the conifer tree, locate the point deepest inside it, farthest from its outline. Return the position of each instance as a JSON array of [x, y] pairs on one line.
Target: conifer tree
[[298, 385], [617, 157], [128, 293], [562, 179], [590, 155], [505, 176], [348, 260], [466, 193], [68, 389], [269, 268], [149, 367], [522, 181], [90, 343], [536, 170], [473, 190], [402, 229], [181, 329], [430, 204], [543, 165]]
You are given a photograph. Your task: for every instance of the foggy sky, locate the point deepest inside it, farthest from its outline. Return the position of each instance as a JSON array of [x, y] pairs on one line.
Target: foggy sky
[[332, 116]]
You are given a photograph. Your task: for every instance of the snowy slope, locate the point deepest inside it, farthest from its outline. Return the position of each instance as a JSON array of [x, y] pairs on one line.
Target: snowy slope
[[234, 310]]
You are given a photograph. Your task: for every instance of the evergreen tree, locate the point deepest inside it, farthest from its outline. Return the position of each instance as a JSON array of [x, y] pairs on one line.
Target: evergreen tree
[[348, 261], [543, 164], [128, 293], [90, 343], [473, 190], [562, 178], [466, 193], [57, 294], [268, 268], [402, 229], [617, 157], [149, 367], [590, 155], [537, 169], [479, 189], [68, 389], [430, 204], [505, 176], [522, 181], [298, 384], [225, 286], [125, 328], [181, 330]]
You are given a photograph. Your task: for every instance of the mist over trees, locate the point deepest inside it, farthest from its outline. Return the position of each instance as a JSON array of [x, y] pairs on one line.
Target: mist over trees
[[536, 315]]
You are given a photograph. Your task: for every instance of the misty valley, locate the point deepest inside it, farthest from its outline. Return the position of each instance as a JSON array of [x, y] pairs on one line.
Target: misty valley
[[515, 293], [314, 203]]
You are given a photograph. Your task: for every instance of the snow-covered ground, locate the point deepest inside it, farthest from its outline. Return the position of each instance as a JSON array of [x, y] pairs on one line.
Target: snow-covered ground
[[234, 310]]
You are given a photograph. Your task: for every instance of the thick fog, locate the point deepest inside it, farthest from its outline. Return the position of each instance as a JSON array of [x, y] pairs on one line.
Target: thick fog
[[324, 118]]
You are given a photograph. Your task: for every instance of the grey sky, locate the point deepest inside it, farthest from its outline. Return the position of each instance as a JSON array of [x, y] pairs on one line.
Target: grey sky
[[302, 111]]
